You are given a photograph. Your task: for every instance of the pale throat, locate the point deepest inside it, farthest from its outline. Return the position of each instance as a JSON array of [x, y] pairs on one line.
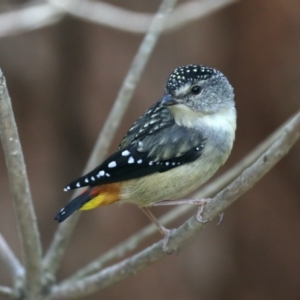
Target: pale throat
[[222, 120]]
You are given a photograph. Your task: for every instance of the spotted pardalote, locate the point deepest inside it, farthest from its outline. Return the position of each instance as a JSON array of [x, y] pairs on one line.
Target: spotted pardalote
[[173, 148]]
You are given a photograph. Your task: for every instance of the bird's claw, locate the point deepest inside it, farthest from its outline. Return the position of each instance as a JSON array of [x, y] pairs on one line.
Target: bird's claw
[[199, 216], [167, 234], [221, 216]]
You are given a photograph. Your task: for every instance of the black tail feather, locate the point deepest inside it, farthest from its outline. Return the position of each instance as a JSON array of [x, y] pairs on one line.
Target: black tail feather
[[72, 206]]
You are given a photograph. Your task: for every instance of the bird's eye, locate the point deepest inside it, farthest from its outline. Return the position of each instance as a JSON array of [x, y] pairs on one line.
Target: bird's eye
[[196, 89]]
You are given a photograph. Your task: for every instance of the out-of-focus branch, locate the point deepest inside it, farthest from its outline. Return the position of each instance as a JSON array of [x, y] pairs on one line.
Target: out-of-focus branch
[[29, 17], [218, 204], [122, 19], [8, 292], [35, 16], [194, 10], [10, 261], [209, 190], [25, 215], [57, 248]]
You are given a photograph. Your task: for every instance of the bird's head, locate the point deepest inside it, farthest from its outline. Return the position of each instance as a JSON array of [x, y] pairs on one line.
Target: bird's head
[[195, 89]]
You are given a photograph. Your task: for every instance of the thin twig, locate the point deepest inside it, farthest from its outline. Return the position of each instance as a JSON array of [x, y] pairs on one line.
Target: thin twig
[[10, 261], [191, 227], [30, 17], [35, 16], [25, 215], [195, 10], [8, 292], [209, 190], [122, 19], [59, 244]]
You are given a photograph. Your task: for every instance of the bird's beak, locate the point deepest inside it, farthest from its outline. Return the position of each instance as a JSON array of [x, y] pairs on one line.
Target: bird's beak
[[168, 100]]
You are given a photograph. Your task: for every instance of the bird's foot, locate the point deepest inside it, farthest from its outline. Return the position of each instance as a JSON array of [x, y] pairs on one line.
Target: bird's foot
[[166, 234], [201, 203]]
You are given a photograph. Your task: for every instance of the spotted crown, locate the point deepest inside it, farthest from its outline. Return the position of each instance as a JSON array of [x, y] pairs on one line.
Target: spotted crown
[[189, 73]]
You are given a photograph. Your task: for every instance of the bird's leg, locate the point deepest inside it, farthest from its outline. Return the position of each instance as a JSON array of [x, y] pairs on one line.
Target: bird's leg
[[164, 231], [199, 202]]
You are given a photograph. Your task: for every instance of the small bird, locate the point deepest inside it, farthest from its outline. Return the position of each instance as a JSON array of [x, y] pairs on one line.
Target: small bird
[[172, 149]]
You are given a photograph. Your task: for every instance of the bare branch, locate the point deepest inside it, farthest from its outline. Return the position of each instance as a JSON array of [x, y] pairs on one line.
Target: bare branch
[[10, 261], [8, 292], [29, 17], [210, 189], [219, 203], [57, 248], [36, 16], [19, 186], [122, 19], [194, 10]]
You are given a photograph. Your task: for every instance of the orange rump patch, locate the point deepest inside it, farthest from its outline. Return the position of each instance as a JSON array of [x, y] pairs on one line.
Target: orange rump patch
[[103, 195]]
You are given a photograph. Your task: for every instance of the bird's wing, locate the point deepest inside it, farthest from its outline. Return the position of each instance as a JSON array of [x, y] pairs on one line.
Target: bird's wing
[[155, 119], [139, 159]]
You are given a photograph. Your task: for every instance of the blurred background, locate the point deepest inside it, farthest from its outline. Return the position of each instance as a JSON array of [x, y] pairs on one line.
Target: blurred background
[[63, 80]]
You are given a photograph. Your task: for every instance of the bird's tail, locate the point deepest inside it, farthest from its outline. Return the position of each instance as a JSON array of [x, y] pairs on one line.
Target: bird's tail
[[73, 206], [89, 199]]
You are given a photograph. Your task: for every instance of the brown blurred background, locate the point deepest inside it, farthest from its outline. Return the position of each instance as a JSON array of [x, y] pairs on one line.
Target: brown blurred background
[[63, 80]]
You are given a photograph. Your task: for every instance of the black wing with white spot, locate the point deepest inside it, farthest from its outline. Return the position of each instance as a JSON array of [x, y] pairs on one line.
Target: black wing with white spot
[[155, 119], [130, 163]]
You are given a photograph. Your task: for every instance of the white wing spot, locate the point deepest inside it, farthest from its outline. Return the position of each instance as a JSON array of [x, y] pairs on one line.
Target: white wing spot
[[125, 153], [150, 163], [93, 178], [173, 163], [112, 164], [130, 160], [139, 161], [86, 180], [78, 184], [197, 149], [107, 175], [167, 163], [101, 173]]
